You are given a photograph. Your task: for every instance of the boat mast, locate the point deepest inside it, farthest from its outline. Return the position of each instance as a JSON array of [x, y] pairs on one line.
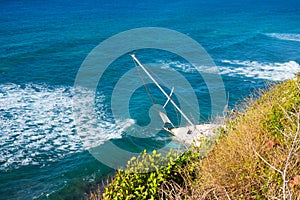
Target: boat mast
[[161, 89]]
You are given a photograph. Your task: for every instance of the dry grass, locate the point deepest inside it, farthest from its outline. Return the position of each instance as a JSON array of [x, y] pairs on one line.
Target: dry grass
[[259, 156], [97, 193]]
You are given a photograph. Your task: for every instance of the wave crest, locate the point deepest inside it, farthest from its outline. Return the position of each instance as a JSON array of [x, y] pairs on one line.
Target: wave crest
[[235, 68], [285, 36], [261, 70]]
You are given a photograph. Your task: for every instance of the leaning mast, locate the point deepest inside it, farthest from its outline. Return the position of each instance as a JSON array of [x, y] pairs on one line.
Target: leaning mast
[[161, 89]]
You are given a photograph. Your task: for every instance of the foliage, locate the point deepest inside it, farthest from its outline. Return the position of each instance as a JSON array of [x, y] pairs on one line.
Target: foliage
[[134, 184]]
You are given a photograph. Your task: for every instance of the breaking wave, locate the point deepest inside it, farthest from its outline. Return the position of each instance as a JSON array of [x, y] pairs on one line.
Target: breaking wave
[[285, 36], [261, 70], [237, 68], [37, 126]]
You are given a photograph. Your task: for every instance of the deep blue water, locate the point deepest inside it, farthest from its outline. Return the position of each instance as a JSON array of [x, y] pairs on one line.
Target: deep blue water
[[43, 44]]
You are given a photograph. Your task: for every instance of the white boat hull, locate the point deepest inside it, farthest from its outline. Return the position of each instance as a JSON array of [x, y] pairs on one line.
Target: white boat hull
[[191, 134]]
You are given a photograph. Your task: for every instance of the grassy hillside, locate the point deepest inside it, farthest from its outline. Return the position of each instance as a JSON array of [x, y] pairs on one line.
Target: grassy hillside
[[256, 156]]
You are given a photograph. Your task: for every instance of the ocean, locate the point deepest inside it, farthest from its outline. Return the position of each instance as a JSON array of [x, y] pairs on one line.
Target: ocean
[[44, 43]]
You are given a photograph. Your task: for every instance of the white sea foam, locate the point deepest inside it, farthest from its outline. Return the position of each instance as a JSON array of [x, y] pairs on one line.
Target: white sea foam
[[285, 36], [185, 67], [261, 70], [237, 68], [37, 126]]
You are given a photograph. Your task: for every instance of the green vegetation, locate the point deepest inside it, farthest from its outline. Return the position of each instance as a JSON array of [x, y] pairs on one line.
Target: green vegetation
[[256, 156], [130, 185]]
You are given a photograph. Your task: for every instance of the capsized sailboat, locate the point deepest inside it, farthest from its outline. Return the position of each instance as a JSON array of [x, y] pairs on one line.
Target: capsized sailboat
[[187, 134]]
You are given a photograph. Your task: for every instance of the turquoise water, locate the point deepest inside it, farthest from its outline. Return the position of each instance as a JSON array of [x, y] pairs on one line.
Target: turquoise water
[[44, 43]]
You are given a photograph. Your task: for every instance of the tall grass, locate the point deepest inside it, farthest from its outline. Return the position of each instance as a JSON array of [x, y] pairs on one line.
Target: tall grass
[[256, 156]]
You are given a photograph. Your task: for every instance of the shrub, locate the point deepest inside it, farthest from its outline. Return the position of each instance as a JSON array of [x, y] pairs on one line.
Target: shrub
[[129, 184]]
